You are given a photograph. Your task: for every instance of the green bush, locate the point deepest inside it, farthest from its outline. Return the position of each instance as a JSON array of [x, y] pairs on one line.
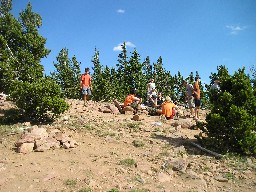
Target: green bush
[[231, 124], [40, 100]]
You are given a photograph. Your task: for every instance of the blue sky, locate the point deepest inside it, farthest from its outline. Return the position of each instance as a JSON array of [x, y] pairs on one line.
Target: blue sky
[[190, 35]]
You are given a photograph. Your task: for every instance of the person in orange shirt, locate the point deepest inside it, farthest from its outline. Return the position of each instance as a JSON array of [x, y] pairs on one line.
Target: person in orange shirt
[[86, 85], [196, 94], [131, 101], [168, 108]]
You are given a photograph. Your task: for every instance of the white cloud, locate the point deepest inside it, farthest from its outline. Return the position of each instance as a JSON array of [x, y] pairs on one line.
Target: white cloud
[[120, 11], [119, 46], [235, 29]]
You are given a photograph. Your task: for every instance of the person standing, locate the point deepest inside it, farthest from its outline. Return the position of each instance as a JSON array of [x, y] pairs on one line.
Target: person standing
[[151, 94], [189, 97], [86, 85], [216, 85], [151, 86], [196, 93]]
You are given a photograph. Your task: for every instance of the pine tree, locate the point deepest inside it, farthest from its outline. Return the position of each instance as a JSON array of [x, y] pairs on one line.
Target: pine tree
[[21, 73], [231, 124], [122, 73], [67, 74], [136, 77]]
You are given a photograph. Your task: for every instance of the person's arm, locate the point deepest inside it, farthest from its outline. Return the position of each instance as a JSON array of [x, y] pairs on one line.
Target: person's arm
[[81, 82], [90, 82], [137, 99]]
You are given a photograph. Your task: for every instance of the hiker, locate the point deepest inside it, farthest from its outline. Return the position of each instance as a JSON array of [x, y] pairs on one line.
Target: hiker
[[86, 85], [131, 102], [151, 86], [160, 99], [189, 97], [216, 85], [196, 94], [151, 91], [168, 108]]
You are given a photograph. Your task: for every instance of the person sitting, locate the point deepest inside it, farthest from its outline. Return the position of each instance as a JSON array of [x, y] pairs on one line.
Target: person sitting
[[160, 99], [131, 102], [168, 108]]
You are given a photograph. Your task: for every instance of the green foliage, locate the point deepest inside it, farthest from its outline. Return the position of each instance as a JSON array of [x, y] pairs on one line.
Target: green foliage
[[113, 190], [231, 125], [67, 75], [128, 162], [40, 100], [137, 143], [70, 182], [22, 48]]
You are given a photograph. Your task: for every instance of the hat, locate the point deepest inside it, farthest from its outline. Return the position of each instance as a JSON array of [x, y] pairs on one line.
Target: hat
[[168, 99]]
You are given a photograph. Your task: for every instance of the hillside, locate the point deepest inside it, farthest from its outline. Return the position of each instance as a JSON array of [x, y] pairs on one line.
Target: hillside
[[116, 153]]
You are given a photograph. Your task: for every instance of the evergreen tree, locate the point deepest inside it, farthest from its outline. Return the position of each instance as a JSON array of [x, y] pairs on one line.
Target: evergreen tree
[[231, 124], [136, 77], [20, 69], [67, 74], [148, 69], [178, 94], [23, 47], [122, 72], [161, 79], [97, 77]]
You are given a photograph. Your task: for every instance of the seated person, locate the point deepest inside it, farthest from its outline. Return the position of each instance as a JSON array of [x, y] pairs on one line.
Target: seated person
[[132, 102], [160, 99], [168, 108], [152, 101]]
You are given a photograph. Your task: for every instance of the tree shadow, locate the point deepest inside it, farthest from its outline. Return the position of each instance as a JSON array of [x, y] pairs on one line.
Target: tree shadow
[[186, 142], [14, 116]]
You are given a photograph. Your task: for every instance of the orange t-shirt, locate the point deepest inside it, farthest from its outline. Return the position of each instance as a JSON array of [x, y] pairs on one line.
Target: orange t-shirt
[[167, 109], [128, 100], [86, 80], [197, 90]]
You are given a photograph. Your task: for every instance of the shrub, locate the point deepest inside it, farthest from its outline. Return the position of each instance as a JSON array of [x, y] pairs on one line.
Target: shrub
[[231, 124], [40, 100]]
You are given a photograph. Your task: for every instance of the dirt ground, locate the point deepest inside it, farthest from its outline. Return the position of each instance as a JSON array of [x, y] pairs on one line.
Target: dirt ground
[[116, 153]]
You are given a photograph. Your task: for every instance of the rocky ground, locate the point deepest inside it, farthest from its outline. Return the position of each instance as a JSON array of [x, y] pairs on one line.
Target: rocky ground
[[115, 153]]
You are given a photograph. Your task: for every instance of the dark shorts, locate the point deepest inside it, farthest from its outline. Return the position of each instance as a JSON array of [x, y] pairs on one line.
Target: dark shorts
[[197, 102], [134, 105], [86, 91]]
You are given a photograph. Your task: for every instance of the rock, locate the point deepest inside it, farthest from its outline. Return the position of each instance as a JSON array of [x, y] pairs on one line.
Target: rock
[[46, 144], [128, 112], [26, 138], [66, 145], [104, 110], [137, 118], [25, 148], [221, 179], [39, 133], [113, 109], [27, 124], [179, 164]]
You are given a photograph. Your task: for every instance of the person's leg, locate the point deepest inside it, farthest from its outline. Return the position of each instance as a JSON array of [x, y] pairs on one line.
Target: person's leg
[[173, 113], [84, 94], [85, 98], [191, 106], [89, 93], [197, 107]]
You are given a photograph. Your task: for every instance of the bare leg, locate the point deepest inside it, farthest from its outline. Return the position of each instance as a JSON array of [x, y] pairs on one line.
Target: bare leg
[[196, 112], [191, 111], [85, 99]]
